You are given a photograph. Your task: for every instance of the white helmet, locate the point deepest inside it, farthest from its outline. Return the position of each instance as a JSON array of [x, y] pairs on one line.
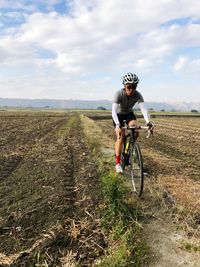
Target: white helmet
[[130, 78]]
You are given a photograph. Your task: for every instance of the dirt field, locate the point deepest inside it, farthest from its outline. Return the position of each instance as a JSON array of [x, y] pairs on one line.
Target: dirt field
[[172, 189], [172, 157], [47, 207], [49, 185]]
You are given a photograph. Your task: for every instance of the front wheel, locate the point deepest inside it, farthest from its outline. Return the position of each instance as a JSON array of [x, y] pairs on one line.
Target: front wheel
[[123, 156], [136, 169]]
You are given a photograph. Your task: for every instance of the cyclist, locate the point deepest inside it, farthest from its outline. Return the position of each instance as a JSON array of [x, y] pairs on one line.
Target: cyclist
[[122, 105]]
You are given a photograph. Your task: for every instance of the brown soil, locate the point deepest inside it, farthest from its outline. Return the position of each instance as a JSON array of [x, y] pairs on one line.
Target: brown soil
[[170, 202], [49, 194]]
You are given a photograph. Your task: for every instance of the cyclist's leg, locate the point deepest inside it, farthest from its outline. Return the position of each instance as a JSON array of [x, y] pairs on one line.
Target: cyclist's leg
[[132, 121], [119, 141], [118, 144]]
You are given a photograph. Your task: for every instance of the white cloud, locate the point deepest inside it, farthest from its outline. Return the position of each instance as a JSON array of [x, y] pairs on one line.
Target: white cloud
[[187, 65], [195, 65], [100, 36], [180, 64], [57, 85]]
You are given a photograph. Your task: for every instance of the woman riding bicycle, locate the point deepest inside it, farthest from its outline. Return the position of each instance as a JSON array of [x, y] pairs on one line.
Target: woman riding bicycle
[[123, 102]]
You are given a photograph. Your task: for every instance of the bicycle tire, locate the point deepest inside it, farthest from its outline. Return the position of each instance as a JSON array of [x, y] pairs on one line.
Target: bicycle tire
[[136, 169], [122, 156]]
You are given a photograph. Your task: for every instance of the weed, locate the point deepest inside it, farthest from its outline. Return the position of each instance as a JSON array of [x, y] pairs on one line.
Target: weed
[[119, 215], [118, 220], [191, 247]]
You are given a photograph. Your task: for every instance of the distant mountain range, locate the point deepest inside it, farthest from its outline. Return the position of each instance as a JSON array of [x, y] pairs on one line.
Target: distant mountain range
[[92, 104]]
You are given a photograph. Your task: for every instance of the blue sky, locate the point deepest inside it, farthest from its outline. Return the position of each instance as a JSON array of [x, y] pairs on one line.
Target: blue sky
[[80, 49]]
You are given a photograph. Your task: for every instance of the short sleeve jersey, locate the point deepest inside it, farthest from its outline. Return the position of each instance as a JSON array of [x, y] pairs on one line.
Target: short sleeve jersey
[[125, 102]]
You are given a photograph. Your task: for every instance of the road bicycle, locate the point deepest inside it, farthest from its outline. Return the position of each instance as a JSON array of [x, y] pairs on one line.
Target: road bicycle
[[131, 157]]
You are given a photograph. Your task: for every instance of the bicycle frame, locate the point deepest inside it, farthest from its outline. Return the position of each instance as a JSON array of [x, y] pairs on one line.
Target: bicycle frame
[[132, 158]]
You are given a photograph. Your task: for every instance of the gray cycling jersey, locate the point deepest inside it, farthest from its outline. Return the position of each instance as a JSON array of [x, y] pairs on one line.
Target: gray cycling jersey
[[125, 102]]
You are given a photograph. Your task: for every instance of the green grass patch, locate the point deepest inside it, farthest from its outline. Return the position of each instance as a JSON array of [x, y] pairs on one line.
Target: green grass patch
[[119, 221], [63, 131], [120, 215], [189, 246]]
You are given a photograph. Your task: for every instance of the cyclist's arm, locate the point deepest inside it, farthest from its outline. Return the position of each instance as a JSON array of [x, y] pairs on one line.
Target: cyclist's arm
[[114, 114], [144, 112]]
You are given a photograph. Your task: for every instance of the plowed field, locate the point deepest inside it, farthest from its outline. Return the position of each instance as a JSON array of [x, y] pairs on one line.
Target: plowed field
[[170, 202], [48, 192], [171, 158], [49, 184]]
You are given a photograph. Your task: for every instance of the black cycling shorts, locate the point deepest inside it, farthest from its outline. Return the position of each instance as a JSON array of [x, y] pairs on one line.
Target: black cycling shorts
[[127, 117]]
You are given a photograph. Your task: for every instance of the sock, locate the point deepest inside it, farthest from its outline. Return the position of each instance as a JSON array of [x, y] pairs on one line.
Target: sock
[[117, 159]]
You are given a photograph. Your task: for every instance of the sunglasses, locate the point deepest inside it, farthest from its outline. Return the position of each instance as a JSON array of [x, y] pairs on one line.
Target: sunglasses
[[131, 87]]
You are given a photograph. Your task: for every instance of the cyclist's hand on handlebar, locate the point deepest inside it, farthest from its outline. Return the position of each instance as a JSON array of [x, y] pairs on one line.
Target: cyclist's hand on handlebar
[[151, 127]]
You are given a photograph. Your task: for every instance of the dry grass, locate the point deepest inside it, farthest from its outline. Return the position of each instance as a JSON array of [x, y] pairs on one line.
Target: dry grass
[[184, 189], [69, 260], [94, 132], [55, 183]]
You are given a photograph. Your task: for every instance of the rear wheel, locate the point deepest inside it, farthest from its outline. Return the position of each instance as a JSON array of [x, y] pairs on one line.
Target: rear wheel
[[136, 169]]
